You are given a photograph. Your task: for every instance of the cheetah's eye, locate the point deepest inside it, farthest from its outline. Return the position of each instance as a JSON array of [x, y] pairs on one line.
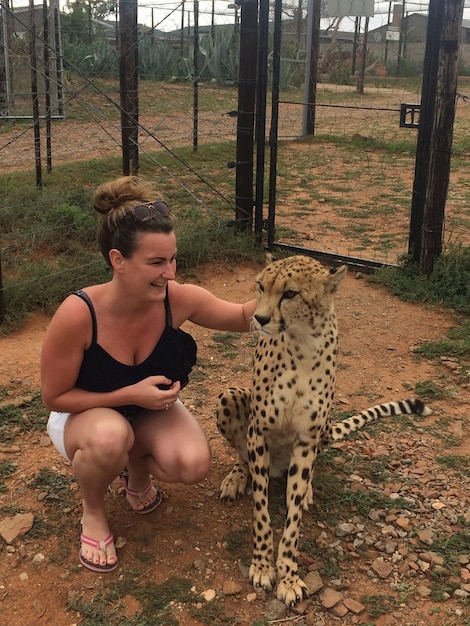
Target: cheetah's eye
[[289, 294]]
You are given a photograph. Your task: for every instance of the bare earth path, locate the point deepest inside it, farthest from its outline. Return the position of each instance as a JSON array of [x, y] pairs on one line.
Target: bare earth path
[[193, 536]]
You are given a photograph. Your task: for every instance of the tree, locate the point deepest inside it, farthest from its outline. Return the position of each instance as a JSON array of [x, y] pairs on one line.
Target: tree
[[77, 20]]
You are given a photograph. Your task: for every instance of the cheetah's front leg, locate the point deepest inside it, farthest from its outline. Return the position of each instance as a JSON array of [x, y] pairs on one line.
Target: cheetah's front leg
[[233, 414], [262, 571], [291, 588]]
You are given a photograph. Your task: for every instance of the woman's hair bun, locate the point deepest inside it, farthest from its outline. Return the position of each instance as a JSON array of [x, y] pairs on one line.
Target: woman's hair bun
[[125, 190]]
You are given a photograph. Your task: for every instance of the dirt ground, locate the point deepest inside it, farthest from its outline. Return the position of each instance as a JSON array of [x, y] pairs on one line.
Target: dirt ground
[[195, 537], [189, 536]]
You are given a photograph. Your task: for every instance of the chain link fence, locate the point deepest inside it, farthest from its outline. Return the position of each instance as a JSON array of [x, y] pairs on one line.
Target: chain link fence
[[348, 187]]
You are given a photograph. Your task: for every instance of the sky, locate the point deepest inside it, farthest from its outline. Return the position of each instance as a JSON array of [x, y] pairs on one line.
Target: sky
[[166, 15]]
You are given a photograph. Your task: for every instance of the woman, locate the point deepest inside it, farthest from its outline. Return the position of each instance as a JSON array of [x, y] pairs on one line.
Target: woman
[[114, 360]]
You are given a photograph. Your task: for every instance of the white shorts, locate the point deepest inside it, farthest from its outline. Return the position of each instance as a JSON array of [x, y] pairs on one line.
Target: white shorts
[[56, 426], [55, 430]]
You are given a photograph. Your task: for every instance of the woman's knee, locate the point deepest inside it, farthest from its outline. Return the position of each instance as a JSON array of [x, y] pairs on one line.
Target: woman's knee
[[107, 437], [194, 466], [111, 440]]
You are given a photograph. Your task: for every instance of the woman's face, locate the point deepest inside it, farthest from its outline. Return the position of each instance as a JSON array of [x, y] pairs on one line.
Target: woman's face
[[151, 266]]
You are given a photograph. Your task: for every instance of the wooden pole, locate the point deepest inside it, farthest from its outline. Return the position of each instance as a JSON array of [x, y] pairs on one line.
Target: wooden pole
[[128, 77], [362, 71], [246, 115], [196, 75], [441, 135], [311, 79], [35, 94], [47, 86]]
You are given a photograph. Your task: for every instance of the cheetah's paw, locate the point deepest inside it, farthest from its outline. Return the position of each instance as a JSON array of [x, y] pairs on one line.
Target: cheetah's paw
[[263, 575], [233, 485], [291, 589]]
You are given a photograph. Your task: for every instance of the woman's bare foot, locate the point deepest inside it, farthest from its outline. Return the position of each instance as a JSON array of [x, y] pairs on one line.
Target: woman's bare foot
[[97, 549], [143, 500]]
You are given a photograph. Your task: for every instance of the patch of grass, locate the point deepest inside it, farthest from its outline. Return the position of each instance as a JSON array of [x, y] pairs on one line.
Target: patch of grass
[[380, 605], [440, 430], [156, 601], [6, 469], [226, 344], [156, 598], [453, 461], [451, 546], [430, 390], [238, 543], [53, 251], [334, 500], [448, 284], [57, 491], [208, 613], [456, 345], [31, 415]]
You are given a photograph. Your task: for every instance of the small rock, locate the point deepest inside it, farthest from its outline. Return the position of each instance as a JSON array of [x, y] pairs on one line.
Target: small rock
[[426, 536], [330, 597], [381, 568], [343, 529], [231, 588], [275, 610], [13, 527], [313, 581], [339, 610], [465, 575], [10, 449], [23, 577], [354, 606], [39, 558], [423, 591], [208, 595], [120, 542]]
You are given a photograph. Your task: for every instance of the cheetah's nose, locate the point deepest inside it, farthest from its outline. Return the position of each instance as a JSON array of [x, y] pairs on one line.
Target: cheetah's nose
[[262, 319]]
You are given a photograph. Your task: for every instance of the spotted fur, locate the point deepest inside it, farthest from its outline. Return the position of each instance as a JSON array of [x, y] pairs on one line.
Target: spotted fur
[[282, 422]]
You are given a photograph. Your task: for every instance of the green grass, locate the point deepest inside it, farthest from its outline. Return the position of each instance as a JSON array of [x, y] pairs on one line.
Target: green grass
[[30, 416], [52, 250], [449, 284]]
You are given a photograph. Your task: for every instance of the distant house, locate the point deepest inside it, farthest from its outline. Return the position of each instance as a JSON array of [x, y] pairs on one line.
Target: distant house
[[414, 29]]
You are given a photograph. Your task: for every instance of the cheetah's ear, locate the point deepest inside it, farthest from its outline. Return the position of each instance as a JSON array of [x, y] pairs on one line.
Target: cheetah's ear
[[335, 278]]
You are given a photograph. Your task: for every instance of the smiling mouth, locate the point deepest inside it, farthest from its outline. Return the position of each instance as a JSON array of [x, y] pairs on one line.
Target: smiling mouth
[[159, 285]]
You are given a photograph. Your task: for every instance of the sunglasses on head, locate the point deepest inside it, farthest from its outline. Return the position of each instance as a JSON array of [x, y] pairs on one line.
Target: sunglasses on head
[[145, 211]]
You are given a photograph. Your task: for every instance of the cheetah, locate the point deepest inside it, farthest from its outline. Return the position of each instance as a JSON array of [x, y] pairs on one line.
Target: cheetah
[[281, 423]]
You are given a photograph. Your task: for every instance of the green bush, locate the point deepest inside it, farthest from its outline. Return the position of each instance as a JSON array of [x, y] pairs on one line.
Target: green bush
[[448, 284]]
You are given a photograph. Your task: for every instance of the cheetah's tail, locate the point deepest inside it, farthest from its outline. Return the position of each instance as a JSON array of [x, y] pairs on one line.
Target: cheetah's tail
[[387, 409]]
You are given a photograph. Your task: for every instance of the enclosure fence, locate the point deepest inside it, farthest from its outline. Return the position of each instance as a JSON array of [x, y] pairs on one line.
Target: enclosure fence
[[346, 189]]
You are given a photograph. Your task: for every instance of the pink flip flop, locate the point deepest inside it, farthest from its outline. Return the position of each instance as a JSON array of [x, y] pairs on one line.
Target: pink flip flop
[[141, 494], [98, 545]]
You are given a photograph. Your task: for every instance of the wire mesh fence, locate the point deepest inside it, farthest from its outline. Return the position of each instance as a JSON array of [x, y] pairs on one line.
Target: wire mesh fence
[[347, 189]]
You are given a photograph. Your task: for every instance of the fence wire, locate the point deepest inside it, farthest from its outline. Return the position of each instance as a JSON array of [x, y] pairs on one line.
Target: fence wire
[[347, 189]]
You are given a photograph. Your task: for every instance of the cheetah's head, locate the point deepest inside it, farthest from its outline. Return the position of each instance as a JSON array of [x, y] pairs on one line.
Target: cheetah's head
[[295, 293]]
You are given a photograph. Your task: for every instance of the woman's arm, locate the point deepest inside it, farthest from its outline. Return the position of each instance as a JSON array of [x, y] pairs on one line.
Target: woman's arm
[[194, 303]]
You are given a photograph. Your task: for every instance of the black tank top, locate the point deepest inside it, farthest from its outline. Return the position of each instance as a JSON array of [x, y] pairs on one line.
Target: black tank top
[[173, 356]]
